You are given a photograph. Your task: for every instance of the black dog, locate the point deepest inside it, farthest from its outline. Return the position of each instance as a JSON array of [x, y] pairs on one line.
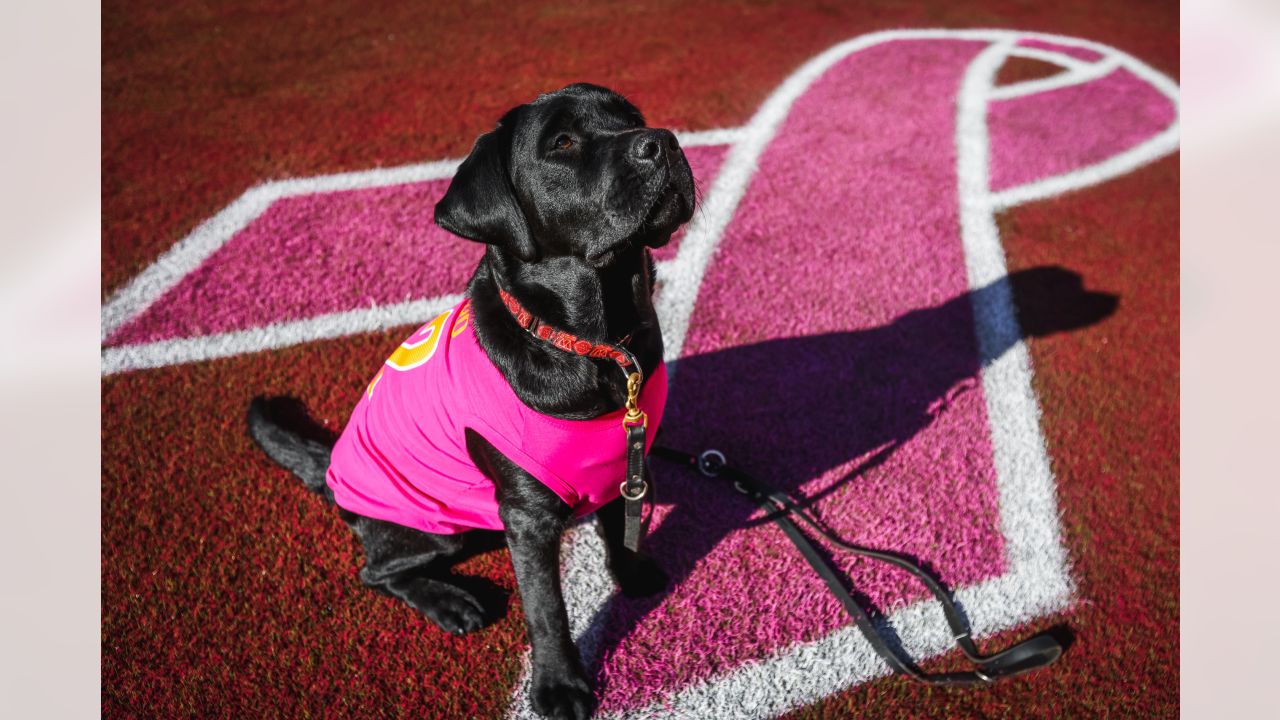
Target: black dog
[[568, 192]]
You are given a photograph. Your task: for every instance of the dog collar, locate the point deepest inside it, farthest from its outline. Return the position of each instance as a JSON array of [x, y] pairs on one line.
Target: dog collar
[[566, 341]]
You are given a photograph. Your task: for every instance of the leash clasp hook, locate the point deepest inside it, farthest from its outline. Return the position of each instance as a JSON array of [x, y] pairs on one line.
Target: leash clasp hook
[[635, 416]]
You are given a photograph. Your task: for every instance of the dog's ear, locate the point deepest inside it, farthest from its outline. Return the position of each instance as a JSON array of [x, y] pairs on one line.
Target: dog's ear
[[480, 203]]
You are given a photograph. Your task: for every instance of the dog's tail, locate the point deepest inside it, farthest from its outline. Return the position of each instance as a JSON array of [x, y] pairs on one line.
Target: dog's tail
[[306, 457]]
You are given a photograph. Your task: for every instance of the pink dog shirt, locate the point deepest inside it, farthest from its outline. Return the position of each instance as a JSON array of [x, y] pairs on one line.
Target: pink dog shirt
[[403, 457]]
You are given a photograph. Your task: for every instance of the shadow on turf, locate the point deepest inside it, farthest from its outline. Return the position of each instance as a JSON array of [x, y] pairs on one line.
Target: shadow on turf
[[787, 410]]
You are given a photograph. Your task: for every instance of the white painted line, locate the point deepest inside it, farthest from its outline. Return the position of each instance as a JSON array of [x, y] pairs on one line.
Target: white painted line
[[718, 136], [185, 256], [361, 179], [1154, 148], [269, 337], [1034, 551]]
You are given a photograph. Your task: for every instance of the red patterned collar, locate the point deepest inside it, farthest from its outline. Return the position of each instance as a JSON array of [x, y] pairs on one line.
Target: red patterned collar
[[566, 341]]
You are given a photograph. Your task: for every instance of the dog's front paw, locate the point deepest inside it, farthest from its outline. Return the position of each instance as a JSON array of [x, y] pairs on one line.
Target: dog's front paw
[[641, 577], [562, 696]]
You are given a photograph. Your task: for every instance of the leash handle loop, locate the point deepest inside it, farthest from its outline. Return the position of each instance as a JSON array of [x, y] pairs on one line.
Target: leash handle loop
[[634, 487]]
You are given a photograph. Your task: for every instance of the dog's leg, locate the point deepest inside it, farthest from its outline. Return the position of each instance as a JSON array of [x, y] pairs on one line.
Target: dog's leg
[[534, 519], [637, 574], [534, 526], [412, 565]]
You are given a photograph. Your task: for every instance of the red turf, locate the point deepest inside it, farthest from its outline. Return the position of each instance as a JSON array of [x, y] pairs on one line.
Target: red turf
[[229, 592]]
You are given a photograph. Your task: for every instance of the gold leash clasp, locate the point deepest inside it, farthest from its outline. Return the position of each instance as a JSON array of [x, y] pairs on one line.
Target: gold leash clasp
[[635, 416]]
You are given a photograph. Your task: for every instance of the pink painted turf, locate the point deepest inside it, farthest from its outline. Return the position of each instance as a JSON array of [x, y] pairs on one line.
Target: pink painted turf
[[1112, 114], [330, 252], [834, 317]]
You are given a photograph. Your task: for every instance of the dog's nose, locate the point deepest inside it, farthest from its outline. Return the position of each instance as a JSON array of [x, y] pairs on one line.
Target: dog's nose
[[649, 145]]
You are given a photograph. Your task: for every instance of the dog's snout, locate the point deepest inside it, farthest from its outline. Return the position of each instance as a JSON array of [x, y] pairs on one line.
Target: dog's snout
[[649, 145]]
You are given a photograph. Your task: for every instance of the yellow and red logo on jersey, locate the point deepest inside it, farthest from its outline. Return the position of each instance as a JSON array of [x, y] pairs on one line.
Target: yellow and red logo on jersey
[[421, 346]]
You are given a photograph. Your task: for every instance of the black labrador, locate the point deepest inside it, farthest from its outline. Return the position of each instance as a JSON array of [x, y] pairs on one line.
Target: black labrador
[[569, 192]]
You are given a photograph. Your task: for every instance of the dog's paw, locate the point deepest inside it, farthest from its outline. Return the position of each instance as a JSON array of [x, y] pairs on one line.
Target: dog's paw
[[641, 577], [451, 608], [562, 696]]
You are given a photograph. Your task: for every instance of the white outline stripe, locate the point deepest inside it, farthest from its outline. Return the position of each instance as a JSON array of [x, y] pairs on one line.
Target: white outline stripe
[[715, 136], [1156, 147], [1027, 495], [271, 337], [185, 256]]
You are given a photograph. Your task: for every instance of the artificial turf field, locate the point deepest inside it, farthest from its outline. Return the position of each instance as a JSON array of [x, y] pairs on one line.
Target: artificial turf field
[[230, 592]]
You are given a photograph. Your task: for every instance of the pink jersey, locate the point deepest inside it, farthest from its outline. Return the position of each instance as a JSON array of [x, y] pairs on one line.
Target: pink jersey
[[403, 458]]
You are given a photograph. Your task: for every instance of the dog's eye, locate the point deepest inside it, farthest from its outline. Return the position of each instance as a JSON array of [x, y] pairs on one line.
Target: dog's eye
[[563, 142]]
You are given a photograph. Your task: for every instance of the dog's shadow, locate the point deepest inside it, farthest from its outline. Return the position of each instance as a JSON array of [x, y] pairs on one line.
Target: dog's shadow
[[788, 410]]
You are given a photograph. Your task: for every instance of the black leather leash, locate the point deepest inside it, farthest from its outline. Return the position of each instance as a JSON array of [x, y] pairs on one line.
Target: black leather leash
[[635, 485], [1030, 654]]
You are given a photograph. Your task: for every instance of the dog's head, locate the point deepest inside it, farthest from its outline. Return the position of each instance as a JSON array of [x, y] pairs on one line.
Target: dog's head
[[574, 173]]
